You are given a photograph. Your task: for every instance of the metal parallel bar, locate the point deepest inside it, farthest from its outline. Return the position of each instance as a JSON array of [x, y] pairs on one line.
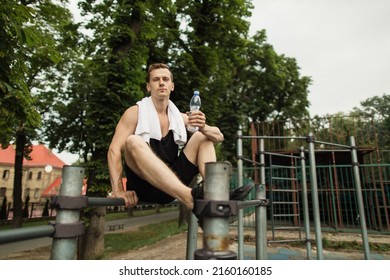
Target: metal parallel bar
[[287, 191], [286, 202], [105, 201], [359, 195], [216, 227], [251, 161], [113, 201], [287, 241], [333, 144], [305, 202], [275, 137], [286, 215], [284, 179], [284, 228], [192, 237], [315, 201], [249, 203], [281, 155], [283, 167], [240, 182], [20, 234], [261, 212], [72, 183]]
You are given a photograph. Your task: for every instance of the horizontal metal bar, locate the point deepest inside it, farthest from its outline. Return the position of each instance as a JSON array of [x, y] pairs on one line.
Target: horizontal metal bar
[[274, 137], [285, 202], [113, 201], [285, 215], [282, 167], [281, 155], [333, 144], [284, 179], [287, 240], [283, 228], [248, 203], [20, 234], [282, 190], [105, 201]]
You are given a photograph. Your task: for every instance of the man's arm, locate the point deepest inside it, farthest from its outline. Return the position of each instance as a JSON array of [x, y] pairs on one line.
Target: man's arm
[[124, 128], [198, 118]]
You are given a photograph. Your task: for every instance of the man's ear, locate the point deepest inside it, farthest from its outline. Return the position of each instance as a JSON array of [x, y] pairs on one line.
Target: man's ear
[[148, 87], [173, 86]]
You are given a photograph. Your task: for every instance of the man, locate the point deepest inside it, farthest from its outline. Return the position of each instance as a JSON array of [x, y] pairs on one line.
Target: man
[[149, 135]]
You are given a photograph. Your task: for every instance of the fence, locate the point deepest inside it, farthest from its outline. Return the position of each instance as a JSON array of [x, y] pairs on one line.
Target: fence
[[215, 207], [283, 183], [67, 227]]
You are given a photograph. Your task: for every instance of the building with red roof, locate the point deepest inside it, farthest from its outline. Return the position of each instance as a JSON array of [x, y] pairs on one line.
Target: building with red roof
[[41, 173]]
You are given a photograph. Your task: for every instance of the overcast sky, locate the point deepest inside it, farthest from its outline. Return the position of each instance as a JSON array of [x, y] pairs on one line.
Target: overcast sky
[[344, 45]]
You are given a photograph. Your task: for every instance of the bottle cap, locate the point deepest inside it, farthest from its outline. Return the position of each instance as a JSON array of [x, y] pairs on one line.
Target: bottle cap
[[196, 92]]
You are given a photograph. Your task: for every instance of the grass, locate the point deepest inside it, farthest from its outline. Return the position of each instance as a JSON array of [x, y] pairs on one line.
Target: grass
[[122, 242], [354, 245]]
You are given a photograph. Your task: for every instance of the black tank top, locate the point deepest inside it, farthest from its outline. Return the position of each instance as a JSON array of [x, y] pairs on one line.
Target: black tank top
[[166, 149]]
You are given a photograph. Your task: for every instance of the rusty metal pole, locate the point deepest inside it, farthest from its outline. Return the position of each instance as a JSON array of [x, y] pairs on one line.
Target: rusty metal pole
[[218, 208]]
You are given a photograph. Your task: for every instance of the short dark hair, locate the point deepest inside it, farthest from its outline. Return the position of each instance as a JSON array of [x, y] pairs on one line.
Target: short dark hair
[[155, 66]]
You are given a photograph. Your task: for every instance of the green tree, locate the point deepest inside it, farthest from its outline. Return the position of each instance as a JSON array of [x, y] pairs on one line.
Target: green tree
[[207, 45], [377, 108], [108, 77], [32, 35]]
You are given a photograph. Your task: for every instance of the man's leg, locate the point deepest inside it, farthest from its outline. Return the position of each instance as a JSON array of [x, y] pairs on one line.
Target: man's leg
[[142, 160], [200, 150]]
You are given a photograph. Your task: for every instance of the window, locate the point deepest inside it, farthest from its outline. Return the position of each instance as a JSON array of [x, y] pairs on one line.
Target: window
[[39, 176], [30, 175], [6, 174], [2, 192]]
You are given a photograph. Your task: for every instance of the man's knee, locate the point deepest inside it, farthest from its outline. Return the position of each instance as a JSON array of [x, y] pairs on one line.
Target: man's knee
[[198, 137], [134, 143]]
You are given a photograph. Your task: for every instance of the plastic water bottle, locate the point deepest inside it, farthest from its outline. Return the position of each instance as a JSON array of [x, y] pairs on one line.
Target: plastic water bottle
[[194, 106]]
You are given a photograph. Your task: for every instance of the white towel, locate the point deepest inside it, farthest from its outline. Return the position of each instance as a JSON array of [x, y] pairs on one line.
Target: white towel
[[149, 124]]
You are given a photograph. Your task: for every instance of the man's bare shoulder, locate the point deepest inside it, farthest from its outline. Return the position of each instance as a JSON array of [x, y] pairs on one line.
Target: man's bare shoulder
[[129, 117]]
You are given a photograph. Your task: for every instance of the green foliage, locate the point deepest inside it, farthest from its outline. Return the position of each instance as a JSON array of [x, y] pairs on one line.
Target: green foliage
[[207, 44], [378, 110]]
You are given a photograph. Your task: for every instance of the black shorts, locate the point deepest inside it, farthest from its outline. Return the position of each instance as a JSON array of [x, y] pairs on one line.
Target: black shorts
[[146, 192]]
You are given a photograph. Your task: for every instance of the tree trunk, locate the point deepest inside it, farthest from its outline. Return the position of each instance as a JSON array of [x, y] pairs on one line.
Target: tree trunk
[[91, 244], [17, 195], [184, 215]]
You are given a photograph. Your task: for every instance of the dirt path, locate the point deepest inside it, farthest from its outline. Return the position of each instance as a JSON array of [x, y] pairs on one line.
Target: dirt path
[[174, 248]]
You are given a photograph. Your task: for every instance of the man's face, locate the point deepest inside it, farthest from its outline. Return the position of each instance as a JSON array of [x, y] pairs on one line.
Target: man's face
[[160, 82]]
